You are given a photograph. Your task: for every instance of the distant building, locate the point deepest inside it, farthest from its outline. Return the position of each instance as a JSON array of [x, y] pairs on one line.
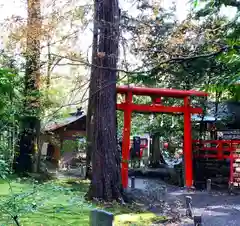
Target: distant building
[[225, 116], [55, 133]]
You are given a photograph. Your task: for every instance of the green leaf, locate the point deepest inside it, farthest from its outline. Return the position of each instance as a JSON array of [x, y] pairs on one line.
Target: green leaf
[[195, 4]]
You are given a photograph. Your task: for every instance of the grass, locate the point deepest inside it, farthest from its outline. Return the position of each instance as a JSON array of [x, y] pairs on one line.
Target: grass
[[61, 202]]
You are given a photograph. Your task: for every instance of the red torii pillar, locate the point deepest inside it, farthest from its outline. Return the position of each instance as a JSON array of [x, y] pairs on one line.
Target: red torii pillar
[[128, 107], [126, 139], [187, 144]]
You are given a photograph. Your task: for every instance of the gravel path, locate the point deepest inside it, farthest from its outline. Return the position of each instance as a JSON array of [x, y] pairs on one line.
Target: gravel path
[[216, 208]]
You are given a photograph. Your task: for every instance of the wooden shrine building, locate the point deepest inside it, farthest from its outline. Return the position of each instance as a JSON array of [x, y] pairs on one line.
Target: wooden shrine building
[[54, 134]]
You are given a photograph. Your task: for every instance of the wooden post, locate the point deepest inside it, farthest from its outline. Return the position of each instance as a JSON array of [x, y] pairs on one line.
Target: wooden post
[[189, 212], [56, 155], [126, 139], [209, 185], [132, 182], [220, 150], [187, 144]]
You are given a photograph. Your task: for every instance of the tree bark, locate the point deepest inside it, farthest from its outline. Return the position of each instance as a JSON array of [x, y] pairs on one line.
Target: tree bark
[[106, 180], [157, 156], [89, 122], [26, 160]]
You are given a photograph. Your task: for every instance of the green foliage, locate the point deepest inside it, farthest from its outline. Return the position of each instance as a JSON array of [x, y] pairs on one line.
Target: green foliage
[[10, 89], [51, 101], [10, 111], [51, 203], [4, 169], [70, 145], [230, 41], [59, 202], [139, 123], [200, 54]]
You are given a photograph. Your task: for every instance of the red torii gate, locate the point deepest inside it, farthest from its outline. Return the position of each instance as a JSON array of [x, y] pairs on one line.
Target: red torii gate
[[156, 107]]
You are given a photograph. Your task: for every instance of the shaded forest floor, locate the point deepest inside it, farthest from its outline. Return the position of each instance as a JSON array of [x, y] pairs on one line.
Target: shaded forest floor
[[61, 202]]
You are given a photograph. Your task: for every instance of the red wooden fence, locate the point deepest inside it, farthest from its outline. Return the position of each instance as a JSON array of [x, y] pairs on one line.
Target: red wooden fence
[[217, 149]]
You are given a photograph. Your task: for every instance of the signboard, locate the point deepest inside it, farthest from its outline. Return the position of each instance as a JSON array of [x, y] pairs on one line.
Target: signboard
[[44, 148], [230, 134]]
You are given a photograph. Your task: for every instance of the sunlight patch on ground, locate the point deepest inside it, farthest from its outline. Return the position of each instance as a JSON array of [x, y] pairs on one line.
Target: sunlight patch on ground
[[61, 202], [137, 219]]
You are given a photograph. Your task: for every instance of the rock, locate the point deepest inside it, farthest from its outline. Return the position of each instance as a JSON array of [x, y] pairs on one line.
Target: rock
[[101, 218]]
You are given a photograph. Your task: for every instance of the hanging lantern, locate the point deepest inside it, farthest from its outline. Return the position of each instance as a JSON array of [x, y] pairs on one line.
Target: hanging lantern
[[165, 145]]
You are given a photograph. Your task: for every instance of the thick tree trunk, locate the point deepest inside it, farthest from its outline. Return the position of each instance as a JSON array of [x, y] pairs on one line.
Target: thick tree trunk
[[106, 180], [157, 157], [91, 102], [26, 160], [89, 142], [89, 133]]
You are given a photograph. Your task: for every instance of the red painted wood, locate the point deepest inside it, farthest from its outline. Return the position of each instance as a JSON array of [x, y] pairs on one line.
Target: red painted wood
[[220, 150], [144, 143], [231, 177], [211, 156], [145, 91], [128, 107], [216, 141], [188, 144], [157, 108], [126, 139]]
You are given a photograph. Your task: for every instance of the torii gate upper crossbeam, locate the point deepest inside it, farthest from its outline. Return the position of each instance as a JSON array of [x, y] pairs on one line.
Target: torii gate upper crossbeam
[[157, 93]]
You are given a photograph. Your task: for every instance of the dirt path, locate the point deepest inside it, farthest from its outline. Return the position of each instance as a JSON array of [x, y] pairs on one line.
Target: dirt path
[[216, 209]]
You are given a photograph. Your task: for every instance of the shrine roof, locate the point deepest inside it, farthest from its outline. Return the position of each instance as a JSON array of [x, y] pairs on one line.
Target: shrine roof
[[228, 111], [206, 118], [54, 125]]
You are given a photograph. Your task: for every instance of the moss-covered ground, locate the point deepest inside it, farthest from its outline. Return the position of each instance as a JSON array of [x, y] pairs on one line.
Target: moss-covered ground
[[60, 202]]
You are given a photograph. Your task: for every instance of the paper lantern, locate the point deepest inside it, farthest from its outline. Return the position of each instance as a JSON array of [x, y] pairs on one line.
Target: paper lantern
[[165, 145]]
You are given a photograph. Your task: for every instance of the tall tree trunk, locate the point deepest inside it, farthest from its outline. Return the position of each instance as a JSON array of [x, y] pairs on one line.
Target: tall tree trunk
[[106, 180], [89, 125], [89, 122], [156, 157], [30, 125]]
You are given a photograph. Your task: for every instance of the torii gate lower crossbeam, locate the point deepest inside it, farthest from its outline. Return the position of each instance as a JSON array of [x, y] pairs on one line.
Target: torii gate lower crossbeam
[[156, 107]]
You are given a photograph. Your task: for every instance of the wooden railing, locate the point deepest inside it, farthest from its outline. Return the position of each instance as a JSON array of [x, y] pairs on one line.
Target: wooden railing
[[215, 149], [218, 149]]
